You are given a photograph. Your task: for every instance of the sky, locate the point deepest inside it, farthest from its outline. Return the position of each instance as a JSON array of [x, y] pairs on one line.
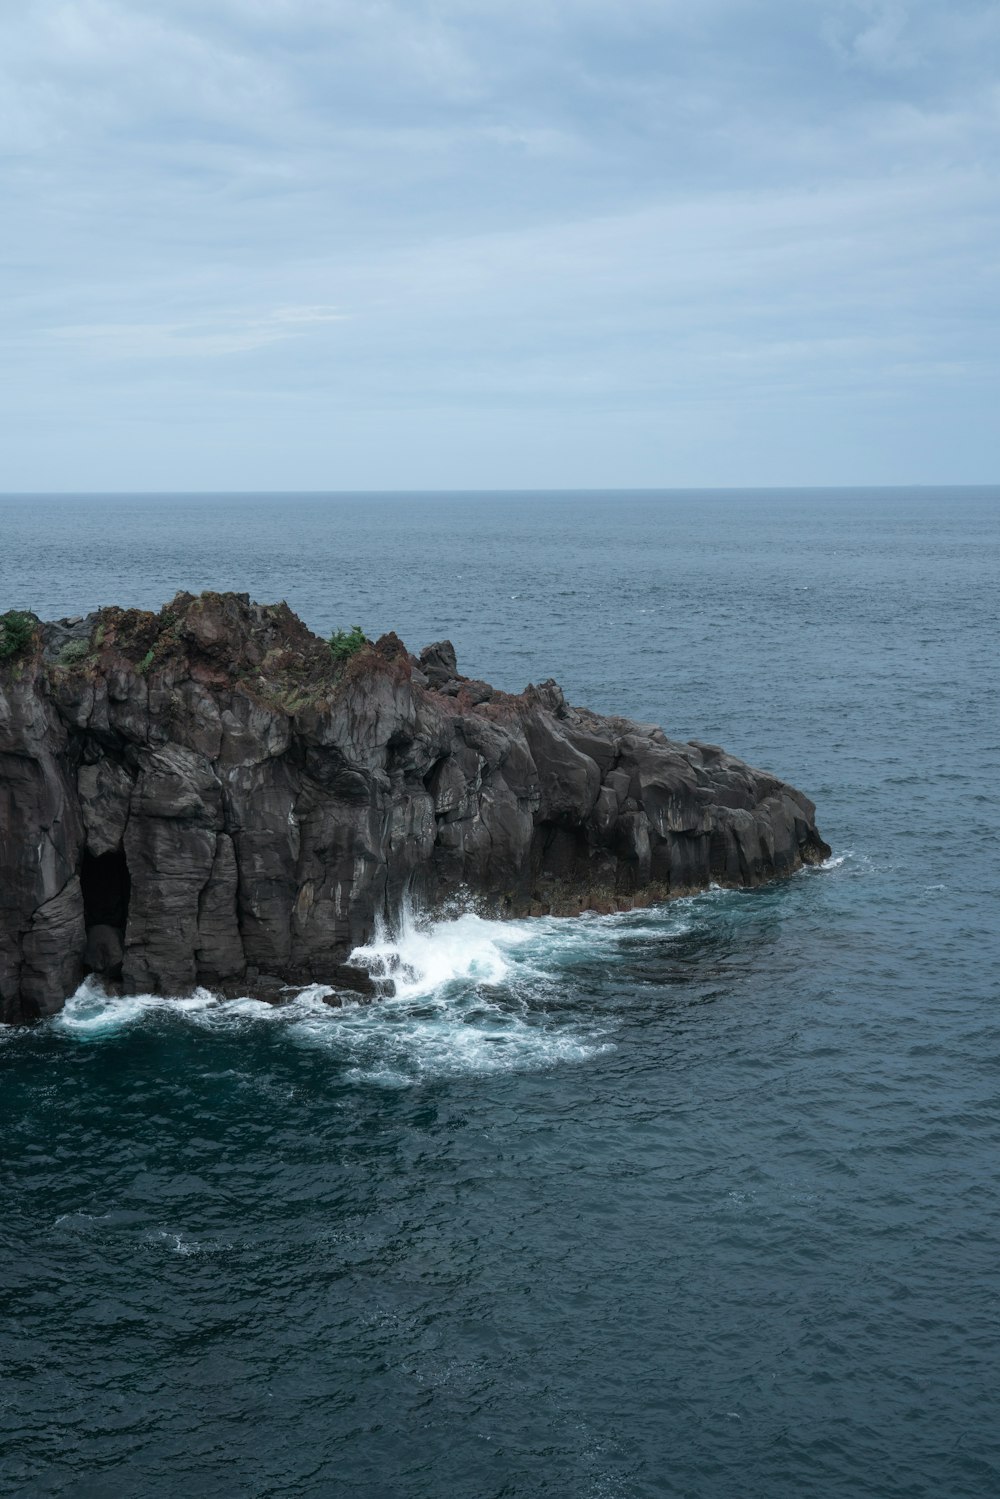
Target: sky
[[494, 244]]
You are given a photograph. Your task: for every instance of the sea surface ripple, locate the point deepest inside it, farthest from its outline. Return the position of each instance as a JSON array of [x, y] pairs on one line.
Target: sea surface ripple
[[695, 1201]]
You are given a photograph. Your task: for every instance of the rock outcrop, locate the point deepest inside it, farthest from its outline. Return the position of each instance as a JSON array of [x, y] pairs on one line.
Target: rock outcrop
[[206, 797]]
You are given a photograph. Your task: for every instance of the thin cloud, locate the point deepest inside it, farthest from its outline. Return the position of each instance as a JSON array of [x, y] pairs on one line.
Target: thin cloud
[[659, 213], [153, 341]]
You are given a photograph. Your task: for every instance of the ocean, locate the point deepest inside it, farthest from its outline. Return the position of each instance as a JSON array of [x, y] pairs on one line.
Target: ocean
[[700, 1200]]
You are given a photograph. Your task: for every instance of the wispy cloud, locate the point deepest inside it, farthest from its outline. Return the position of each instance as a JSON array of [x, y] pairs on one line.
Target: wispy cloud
[[655, 215], [873, 33], [153, 341]]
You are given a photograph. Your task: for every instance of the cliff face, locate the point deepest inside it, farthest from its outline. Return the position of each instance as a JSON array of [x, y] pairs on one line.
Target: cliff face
[[205, 797]]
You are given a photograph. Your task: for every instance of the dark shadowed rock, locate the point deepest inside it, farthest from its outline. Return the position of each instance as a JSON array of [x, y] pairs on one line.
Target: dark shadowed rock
[[438, 663], [204, 797], [104, 951]]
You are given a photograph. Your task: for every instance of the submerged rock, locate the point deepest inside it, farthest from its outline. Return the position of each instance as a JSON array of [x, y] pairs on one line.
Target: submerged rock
[[204, 796]]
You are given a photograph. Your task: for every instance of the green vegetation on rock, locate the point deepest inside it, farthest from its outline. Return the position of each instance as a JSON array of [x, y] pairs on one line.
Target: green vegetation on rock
[[346, 643], [74, 651], [16, 631]]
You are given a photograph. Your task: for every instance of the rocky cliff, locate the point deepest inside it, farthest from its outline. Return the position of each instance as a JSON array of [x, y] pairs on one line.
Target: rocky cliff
[[205, 796]]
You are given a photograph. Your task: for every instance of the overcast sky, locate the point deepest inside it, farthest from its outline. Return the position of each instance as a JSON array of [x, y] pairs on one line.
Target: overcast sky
[[323, 244]]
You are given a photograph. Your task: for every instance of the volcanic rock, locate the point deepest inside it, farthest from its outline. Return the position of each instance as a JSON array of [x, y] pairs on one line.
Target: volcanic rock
[[204, 796]]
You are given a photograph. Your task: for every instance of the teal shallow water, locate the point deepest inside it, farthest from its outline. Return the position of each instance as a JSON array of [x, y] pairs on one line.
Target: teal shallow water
[[696, 1201]]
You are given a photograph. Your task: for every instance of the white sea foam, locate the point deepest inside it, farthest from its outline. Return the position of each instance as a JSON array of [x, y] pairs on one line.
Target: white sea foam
[[464, 996], [174, 1242], [397, 1050], [113, 1220], [123, 1224], [424, 958], [851, 860], [465, 1002], [93, 1012]]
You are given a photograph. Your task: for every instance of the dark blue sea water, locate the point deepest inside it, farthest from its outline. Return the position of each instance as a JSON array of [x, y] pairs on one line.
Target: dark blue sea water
[[701, 1201]]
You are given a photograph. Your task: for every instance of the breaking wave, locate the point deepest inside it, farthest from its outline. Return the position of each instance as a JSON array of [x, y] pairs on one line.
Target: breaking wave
[[463, 995], [92, 1013], [418, 959]]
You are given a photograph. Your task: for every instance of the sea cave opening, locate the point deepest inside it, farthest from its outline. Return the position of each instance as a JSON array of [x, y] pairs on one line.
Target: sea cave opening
[[107, 887]]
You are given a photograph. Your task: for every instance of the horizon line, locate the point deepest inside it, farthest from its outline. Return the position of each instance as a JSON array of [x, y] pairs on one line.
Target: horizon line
[[460, 490]]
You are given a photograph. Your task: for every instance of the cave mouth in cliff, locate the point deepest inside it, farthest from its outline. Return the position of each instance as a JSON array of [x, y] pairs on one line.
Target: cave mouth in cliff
[[107, 888]]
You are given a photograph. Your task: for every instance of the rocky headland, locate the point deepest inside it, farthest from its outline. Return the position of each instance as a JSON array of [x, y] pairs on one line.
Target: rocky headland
[[209, 796]]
